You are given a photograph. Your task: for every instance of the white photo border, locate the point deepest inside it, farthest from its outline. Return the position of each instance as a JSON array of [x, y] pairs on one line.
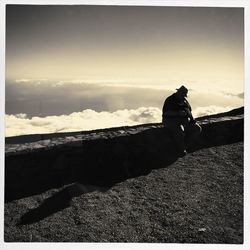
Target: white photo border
[[185, 3]]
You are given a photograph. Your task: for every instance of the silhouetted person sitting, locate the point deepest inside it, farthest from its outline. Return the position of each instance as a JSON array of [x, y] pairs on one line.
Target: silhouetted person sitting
[[178, 119]]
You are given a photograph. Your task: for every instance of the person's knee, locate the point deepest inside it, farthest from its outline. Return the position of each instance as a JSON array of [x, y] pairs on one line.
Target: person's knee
[[194, 130], [199, 128], [181, 128]]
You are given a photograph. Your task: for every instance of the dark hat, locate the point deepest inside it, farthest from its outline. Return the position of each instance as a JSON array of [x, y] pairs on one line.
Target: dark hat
[[183, 89]]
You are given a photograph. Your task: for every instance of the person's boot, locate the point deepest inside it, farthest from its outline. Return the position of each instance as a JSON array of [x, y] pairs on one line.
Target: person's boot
[[182, 153]]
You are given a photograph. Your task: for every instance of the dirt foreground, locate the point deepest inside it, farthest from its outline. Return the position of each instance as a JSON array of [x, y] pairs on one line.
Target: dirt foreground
[[197, 199]]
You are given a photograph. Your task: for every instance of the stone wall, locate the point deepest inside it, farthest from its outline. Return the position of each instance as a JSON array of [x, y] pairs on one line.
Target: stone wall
[[102, 157]]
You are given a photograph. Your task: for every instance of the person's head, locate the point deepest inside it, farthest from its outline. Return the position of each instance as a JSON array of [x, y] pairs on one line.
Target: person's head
[[182, 92]]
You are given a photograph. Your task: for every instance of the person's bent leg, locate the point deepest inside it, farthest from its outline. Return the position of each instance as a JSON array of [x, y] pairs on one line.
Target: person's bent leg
[[192, 132], [178, 136], [176, 131]]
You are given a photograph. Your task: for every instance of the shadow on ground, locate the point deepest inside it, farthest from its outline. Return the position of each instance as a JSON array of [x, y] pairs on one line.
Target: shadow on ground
[[57, 202]]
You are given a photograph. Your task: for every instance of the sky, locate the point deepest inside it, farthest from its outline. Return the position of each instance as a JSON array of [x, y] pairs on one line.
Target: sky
[[83, 67]]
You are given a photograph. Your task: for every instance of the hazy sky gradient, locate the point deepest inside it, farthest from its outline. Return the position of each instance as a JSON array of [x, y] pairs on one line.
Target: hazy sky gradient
[[83, 67], [126, 43]]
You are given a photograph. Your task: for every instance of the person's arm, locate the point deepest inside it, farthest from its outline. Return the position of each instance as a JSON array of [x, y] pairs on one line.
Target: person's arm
[[189, 114], [189, 111]]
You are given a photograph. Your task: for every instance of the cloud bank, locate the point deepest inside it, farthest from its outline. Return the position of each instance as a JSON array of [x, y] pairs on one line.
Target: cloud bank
[[209, 110], [49, 106], [88, 119], [42, 97]]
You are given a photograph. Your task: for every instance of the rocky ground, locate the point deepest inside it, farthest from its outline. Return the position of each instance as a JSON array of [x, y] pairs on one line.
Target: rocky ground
[[197, 199]]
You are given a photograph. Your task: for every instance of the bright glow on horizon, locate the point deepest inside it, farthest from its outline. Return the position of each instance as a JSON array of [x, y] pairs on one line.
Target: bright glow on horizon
[[224, 67]]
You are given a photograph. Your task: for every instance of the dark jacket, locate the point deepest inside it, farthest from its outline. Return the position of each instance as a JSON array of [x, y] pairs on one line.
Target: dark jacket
[[172, 103]]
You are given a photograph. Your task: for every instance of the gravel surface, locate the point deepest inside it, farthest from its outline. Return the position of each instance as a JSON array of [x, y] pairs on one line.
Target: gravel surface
[[197, 199]]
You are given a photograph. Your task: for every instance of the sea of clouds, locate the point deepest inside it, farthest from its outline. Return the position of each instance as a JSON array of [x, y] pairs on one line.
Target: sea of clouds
[[20, 124], [42, 106]]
